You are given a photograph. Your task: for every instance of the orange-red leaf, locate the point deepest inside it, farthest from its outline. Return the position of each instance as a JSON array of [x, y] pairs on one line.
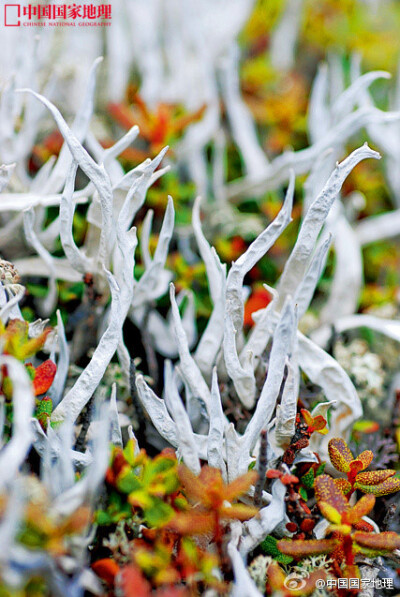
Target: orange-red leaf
[[387, 541], [288, 479], [194, 488], [276, 576], [340, 454], [195, 523], [360, 509], [258, 299], [107, 569], [239, 486], [364, 526], [238, 512], [44, 376], [273, 473], [307, 416], [320, 424], [300, 548], [133, 583]]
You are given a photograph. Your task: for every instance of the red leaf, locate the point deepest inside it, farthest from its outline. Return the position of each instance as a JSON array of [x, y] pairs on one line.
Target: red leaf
[[364, 526], [106, 569], [307, 525], [258, 299], [287, 479], [273, 474], [133, 583], [44, 376], [291, 527]]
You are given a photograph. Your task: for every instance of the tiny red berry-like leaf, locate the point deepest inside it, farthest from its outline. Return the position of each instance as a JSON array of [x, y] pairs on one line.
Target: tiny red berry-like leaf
[[340, 454], [307, 525], [44, 376], [291, 527], [289, 479], [363, 525], [273, 473]]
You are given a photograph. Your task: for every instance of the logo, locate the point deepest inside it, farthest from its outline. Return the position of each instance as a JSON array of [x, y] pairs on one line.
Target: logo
[[296, 581], [57, 15]]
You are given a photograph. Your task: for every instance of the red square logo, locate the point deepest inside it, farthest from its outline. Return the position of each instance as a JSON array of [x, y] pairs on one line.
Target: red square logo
[[12, 12]]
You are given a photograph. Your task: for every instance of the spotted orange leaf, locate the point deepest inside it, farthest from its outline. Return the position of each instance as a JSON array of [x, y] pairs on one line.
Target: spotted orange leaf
[[327, 491], [299, 548], [366, 458], [340, 454], [385, 488], [374, 477], [343, 484], [329, 512]]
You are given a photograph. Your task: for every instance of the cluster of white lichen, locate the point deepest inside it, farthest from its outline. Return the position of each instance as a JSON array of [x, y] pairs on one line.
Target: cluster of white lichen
[[258, 571], [365, 369]]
